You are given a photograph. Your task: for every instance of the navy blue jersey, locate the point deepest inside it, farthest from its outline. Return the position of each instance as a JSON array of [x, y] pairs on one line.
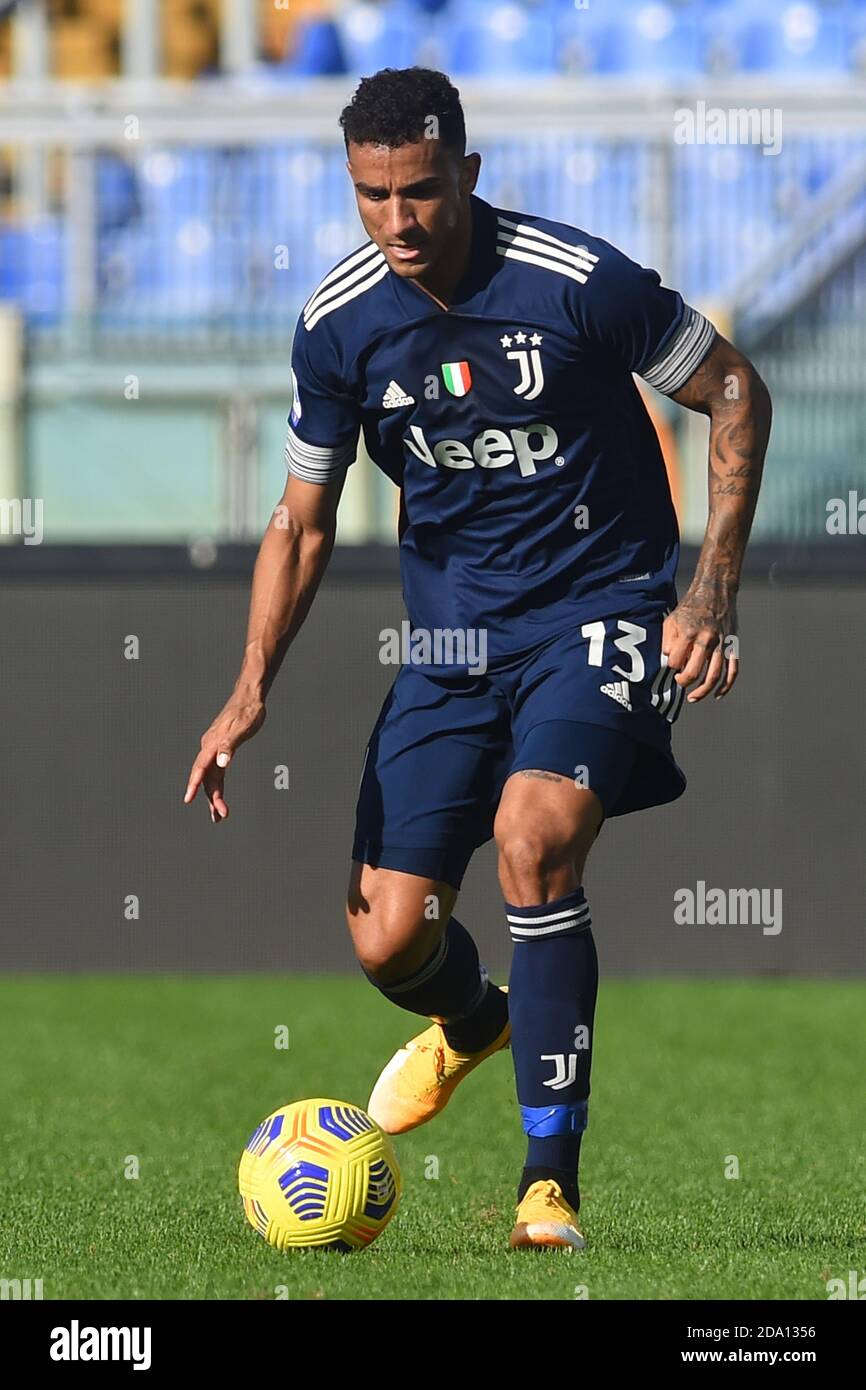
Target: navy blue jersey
[[535, 495]]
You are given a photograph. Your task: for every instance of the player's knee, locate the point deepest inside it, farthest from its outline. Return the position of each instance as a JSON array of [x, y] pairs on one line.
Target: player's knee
[[526, 851], [390, 955], [390, 933]]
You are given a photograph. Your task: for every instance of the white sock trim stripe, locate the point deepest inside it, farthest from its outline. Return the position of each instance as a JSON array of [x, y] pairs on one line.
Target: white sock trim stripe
[[580, 910], [523, 933]]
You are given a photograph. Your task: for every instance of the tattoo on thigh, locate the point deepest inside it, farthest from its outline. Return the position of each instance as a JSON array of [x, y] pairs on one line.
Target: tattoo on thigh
[[545, 776]]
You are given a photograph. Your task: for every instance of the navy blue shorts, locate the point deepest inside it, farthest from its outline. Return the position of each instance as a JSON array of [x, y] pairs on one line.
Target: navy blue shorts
[[596, 704]]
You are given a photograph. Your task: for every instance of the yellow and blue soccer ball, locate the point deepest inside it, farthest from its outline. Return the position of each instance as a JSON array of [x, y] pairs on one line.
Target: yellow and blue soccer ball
[[319, 1174]]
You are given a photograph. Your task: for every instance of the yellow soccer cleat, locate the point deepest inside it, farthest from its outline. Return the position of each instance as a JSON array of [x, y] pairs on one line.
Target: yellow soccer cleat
[[421, 1077], [544, 1218]]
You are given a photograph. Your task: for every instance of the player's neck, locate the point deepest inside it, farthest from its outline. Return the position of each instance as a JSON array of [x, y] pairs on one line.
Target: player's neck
[[449, 270]]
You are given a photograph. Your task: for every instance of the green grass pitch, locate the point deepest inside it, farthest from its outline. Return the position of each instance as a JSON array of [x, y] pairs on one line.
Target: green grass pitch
[[177, 1073]]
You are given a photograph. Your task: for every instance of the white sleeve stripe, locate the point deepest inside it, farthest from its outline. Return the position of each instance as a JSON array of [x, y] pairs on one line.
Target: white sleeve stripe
[[682, 354], [317, 463], [327, 292], [340, 270]]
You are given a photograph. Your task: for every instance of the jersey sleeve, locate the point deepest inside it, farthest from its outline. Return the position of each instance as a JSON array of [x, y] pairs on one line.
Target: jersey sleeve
[[643, 326], [324, 422]]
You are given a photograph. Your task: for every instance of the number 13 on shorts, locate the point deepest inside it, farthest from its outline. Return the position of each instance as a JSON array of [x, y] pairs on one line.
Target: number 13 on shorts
[[628, 642]]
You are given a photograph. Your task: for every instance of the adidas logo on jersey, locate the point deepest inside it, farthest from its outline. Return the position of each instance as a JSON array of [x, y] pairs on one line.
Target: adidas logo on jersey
[[395, 396], [619, 691]]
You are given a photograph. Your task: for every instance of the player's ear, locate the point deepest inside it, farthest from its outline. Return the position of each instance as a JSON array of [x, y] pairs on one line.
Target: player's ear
[[469, 172]]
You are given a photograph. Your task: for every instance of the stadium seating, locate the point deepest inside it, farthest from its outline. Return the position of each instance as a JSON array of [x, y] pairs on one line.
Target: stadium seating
[[782, 38], [32, 266], [662, 38], [198, 228], [499, 39]]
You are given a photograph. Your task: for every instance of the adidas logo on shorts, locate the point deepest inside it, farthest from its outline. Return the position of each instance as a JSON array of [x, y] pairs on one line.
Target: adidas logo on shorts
[[619, 691], [395, 396]]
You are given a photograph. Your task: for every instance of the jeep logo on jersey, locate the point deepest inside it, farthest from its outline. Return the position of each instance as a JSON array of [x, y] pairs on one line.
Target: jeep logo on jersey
[[529, 360], [457, 377], [492, 448]]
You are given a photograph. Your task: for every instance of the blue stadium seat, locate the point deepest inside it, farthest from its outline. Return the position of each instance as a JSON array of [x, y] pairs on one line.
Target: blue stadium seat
[[175, 184], [856, 36], [630, 37], [32, 269], [801, 36], [502, 38], [382, 35], [581, 182], [156, 274], [724, 212], [116, 191], [318, 50]]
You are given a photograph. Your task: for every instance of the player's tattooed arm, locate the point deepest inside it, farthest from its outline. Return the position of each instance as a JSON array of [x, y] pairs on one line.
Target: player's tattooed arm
[[696, 638]]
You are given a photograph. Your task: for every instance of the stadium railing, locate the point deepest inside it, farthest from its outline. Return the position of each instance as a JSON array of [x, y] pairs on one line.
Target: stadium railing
[[159, 241]]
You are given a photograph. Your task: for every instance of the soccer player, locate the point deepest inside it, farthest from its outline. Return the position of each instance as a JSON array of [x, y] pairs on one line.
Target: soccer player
[[488, 357]]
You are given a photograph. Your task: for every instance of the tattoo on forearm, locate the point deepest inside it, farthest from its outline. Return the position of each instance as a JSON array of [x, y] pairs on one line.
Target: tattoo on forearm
[[730, 490], [739, 431]]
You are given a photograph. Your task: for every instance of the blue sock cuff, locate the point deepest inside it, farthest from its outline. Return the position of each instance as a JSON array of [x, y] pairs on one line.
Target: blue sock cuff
[[562, 917], [542, 1121]]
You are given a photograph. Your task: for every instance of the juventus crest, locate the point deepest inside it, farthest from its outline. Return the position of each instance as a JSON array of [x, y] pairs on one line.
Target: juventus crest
[[528, 360]]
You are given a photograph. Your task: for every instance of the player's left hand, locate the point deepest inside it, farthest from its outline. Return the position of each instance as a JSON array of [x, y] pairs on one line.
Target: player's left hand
[[696, 638]]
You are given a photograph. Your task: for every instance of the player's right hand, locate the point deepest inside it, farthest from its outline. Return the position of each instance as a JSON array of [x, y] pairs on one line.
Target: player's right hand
[[242, 717]]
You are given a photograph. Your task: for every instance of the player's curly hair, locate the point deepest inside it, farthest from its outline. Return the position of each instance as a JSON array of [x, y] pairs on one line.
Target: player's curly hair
[[394, 106]]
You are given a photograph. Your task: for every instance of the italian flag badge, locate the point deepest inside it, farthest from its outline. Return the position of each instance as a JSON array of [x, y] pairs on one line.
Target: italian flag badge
[[457, 377]]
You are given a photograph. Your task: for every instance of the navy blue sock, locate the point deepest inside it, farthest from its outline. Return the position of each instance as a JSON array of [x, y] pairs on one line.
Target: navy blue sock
[[452, 988], [552, 995]]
